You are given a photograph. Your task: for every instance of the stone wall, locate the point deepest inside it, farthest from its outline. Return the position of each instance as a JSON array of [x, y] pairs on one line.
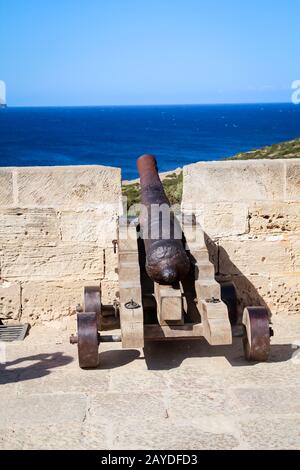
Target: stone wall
[[56, 230], [57, 225], [250, 211]]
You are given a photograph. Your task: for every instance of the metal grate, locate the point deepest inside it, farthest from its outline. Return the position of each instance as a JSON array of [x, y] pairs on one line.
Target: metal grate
[[13, 332]]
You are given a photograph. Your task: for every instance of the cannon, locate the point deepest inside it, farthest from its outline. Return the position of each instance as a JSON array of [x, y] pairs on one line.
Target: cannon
[[166, 258], [167, 287]]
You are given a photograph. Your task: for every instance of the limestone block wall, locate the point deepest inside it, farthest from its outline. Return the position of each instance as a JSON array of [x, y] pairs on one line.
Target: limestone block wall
[[250, 211], [56, 230]]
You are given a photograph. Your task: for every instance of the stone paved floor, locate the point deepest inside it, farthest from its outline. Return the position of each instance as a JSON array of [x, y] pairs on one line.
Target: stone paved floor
[[184, 395]]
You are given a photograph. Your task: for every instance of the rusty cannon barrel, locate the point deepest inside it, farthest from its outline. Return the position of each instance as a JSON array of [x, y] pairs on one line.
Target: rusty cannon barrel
[[166, 258]]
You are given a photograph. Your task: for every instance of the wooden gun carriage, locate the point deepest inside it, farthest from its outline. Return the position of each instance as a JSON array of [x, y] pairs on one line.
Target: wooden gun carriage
[[197, 307]]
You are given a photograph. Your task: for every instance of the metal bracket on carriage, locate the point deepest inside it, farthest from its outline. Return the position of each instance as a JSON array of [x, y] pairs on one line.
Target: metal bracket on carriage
[[213, 300], [115, 244], [131, 305]]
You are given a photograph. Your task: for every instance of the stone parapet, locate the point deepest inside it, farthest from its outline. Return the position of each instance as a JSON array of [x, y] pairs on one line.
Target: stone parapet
[[250, 212], [56, 230]]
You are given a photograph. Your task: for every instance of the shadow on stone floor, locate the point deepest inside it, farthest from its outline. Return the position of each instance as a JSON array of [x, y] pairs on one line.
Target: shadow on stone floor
[[171, 354], [117, 358], [164, 356], [43, 363], [157, 355]]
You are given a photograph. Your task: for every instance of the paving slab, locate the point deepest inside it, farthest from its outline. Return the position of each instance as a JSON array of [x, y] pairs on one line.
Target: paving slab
[[174, 395]]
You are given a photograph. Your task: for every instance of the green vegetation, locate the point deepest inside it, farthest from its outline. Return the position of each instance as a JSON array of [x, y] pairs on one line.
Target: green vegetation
[[290, 149], [172, 184], [132, 192]]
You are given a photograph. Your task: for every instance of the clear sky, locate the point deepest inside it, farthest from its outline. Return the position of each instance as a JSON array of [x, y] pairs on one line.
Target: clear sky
[[94, 52]]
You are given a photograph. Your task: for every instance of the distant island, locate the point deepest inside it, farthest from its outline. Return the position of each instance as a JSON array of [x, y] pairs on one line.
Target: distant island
[[173, 180], [2, 94]]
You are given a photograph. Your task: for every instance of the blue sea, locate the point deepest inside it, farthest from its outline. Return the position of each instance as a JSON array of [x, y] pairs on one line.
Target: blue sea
[[117, 135]]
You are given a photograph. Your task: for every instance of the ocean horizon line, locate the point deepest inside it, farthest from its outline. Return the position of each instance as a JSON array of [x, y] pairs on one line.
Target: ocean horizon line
[[267, 103]]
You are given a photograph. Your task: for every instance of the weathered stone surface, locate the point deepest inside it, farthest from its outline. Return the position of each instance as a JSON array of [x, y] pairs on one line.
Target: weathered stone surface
[[272, 433], [42, 437], [284, 400], [146, 380], [69, 187], [295, 245], [233, 181], [53, 409], [175, 435], [293, 180], [284, 294], [45, 301], [137, 406], [89, 226], [254, 256], [75, 381], [10, 299], [111, 264], [212, 401], [29, 227], [223, 219], [6, 187], [109, 291], [280, 371], [270, 217], [196, 379], [75, 261]]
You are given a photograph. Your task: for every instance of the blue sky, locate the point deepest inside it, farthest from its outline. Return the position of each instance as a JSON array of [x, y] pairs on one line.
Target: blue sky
[[102, 52]]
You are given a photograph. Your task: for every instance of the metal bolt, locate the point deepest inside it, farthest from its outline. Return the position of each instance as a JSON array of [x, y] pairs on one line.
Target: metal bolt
[[116, 305], [73, 339]]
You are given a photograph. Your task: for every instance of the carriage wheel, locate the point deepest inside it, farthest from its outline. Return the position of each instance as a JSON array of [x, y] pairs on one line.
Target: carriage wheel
[[92, 301], [88, 326], [87, 331], [256, 338], [229, 297]]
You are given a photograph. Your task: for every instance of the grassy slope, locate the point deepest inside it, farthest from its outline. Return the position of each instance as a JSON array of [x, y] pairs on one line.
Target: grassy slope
[[290, 149]]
